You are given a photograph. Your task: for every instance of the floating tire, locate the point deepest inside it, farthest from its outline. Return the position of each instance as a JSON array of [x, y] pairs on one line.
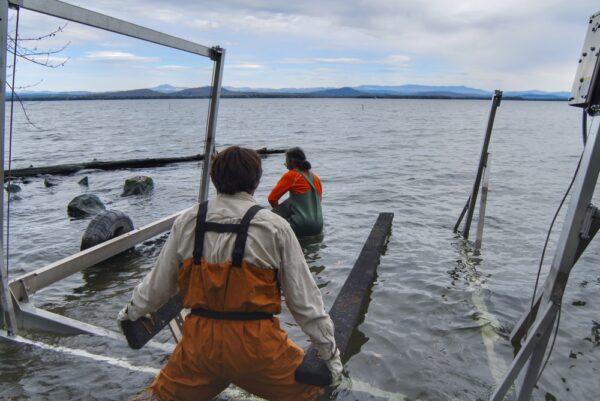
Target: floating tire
[[104, 226]]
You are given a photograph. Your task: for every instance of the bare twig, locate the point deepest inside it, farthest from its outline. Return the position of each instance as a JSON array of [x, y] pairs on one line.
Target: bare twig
[[29, 121]]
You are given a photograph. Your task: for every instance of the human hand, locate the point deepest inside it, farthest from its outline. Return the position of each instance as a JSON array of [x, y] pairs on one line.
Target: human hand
[[123, 315], [334, 364]]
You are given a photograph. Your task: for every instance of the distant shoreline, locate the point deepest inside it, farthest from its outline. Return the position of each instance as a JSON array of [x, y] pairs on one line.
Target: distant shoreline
[[166, 91], [28, 98]]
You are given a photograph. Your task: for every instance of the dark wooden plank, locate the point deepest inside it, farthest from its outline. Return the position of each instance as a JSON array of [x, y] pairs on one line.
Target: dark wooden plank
[[346, 309], [67, 169]]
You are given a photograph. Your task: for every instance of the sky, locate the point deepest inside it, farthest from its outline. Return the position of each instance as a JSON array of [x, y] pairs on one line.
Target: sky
[[503, 44]]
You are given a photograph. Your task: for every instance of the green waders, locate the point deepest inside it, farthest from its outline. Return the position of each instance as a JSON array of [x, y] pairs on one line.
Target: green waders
[[305, 215]]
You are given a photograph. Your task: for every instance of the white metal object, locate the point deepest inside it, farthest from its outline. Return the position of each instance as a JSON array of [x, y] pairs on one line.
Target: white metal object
[[483, 202], [20, 289], [564, 259], [585, 88], [7, 317], [28, 284], [469, 207], [94, 19]]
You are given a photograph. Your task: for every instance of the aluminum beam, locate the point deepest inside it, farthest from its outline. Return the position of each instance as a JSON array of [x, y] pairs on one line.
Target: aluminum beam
[[542, 326], [7, 317], [31, 317], [483, 201], [29, 283], [484, 151], [211, 126], [566, 250], [83, 16]]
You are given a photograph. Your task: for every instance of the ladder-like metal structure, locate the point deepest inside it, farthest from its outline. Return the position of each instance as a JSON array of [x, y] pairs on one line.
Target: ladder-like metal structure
[[582, 222], [17, 310]]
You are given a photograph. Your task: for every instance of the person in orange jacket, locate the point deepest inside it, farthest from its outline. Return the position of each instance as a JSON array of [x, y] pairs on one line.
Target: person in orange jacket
[[231, 261], [303, 207]]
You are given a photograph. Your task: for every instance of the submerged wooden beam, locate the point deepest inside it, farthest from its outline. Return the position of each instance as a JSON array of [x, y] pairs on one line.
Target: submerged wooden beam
[[67, 169], [345, 312], [346, 309]]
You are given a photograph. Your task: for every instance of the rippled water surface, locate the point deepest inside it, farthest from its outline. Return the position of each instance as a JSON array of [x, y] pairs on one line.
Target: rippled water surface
[[438, 320]]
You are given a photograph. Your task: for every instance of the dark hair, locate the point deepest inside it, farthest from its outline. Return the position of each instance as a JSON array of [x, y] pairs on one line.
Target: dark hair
[[297, 159], [236, 169]]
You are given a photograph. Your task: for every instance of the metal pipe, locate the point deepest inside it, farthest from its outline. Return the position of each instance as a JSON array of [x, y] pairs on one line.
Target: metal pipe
[[91, 18], [565, 256], [31, 282], [8, 312], [211, 127], [483, 202], [484, 150], [543, 325]]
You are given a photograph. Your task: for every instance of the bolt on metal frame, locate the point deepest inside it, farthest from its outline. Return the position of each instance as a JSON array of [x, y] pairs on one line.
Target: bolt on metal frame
[[17, 310]]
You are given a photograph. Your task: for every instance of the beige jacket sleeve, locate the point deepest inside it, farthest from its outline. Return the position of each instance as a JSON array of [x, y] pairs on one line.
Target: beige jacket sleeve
[[160, 284], [303, 297]]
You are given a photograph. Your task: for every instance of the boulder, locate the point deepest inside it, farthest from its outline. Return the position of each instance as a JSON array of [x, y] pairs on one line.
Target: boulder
[[12, 188], [139, 185], [85, 205], [50, 182], [84, 181]]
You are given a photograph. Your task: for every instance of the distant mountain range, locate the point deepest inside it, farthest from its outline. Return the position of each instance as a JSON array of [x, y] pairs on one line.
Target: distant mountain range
[[166, 91]]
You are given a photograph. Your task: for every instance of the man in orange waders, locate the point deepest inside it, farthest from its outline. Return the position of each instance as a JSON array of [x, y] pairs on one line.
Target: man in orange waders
[[231, 261]]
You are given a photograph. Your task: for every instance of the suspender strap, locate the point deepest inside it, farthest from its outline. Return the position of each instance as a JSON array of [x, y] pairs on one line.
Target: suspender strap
[[241, 229], [213, 314], [200, 230], [240, 240]]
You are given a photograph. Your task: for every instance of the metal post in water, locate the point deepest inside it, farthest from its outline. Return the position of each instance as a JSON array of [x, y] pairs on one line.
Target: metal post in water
[[483, 202], [218, 56], [8, 313], [484, 150], [565, 256]]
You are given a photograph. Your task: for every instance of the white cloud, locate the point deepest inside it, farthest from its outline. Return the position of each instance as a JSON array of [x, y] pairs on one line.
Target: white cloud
[[115, 56], [244, 66], [398, 60], [202, 24], [523, 43], [173, 67]]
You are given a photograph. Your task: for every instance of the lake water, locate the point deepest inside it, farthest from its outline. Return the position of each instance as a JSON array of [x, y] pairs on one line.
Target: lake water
[[439, 317]]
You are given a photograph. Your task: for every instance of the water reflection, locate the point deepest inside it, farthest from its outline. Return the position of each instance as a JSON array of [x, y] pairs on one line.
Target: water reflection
[[126, 266]]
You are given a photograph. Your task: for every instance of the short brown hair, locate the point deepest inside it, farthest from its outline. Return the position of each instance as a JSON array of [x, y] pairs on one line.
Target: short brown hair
[[236, 169]]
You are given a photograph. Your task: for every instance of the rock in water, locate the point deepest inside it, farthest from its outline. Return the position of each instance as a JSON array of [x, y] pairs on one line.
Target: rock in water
[[50, 182], [12, 188], [139, 185], [84, 181], [85, 205]]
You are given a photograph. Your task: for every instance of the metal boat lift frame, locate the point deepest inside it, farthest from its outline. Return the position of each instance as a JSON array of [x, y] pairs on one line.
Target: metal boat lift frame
[[18, 312], [582, 221]]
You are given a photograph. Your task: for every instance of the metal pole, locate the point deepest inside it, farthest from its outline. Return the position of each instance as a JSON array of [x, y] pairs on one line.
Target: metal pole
[[483, 202], [541, 326], [8, 312], [218, 56], [567, 252], [484, 150], [568, 243]]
